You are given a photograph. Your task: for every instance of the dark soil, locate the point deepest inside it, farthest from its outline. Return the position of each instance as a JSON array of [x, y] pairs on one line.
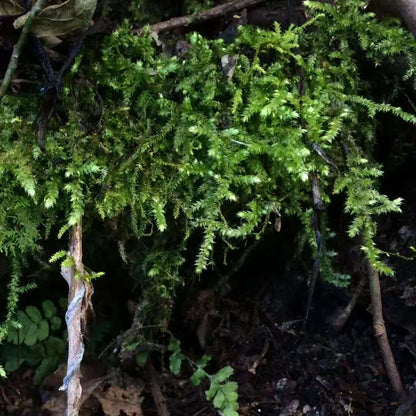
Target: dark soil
[[257, 329]]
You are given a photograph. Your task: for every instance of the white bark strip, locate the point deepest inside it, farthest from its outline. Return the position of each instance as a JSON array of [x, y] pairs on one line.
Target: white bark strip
[[75, 317]]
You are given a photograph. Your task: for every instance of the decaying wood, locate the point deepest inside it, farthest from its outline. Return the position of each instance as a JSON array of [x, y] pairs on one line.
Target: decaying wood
[[203, 16], [381, 334], [17, 50], [79, 301]]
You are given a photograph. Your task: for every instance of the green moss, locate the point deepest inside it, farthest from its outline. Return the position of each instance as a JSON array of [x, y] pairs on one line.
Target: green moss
[[170, 147]]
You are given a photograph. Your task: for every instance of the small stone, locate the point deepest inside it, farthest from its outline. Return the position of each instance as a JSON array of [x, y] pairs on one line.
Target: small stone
[[306, 409], [281, 384]]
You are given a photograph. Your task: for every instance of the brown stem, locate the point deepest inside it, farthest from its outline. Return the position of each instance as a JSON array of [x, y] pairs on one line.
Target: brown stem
[[17, 50], [319, 207], [159, 399], [202, 16], [381, 334], [340, 319]]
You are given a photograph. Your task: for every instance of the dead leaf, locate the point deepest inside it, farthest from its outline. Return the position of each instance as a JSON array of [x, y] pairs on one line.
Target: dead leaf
[[10, 8], [116, 399], [61, 20]]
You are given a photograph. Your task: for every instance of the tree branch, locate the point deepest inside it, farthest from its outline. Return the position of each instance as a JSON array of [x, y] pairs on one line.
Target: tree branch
[[203, 16], [17, 49]]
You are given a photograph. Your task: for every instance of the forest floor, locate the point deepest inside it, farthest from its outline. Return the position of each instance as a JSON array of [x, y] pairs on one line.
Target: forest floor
[[280, 369]]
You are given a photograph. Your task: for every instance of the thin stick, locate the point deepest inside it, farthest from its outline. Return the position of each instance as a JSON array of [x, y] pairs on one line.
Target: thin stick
[[318, 207], [78, 302], [381, 334], [202, 16], [17, 50], [339, 321], [263, 353]]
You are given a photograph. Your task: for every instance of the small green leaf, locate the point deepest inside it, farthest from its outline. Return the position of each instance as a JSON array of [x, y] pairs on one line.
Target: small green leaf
[[24, 320], [141, 358], [229, 411], [47, 366], [36, 353], [175, 363], [34, 314], [58, 255], [56, 323], [49, 308], [55, 346], [12, 336], [31, 335], [213, 389], [223, 374], [202, 363], [219, 399], [198, 376], [13, 363], [174, 345], [43, 330]]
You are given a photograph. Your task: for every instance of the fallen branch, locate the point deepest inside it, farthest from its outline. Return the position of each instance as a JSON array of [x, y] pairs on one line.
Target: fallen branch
[[79, 296], [17, 49], [381, 334], [202, 16]]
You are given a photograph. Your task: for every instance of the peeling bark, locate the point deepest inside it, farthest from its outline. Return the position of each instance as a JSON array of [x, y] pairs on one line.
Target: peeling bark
[[79, 296]]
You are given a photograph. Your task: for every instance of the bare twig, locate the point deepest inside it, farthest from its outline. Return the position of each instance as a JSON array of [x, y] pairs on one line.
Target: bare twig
[[222, 285], [200, 411], [381, 334], [17, 50], [319, 207], [159, 399], [263, 353], [203, 16], [79, 297], [340, 319]]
